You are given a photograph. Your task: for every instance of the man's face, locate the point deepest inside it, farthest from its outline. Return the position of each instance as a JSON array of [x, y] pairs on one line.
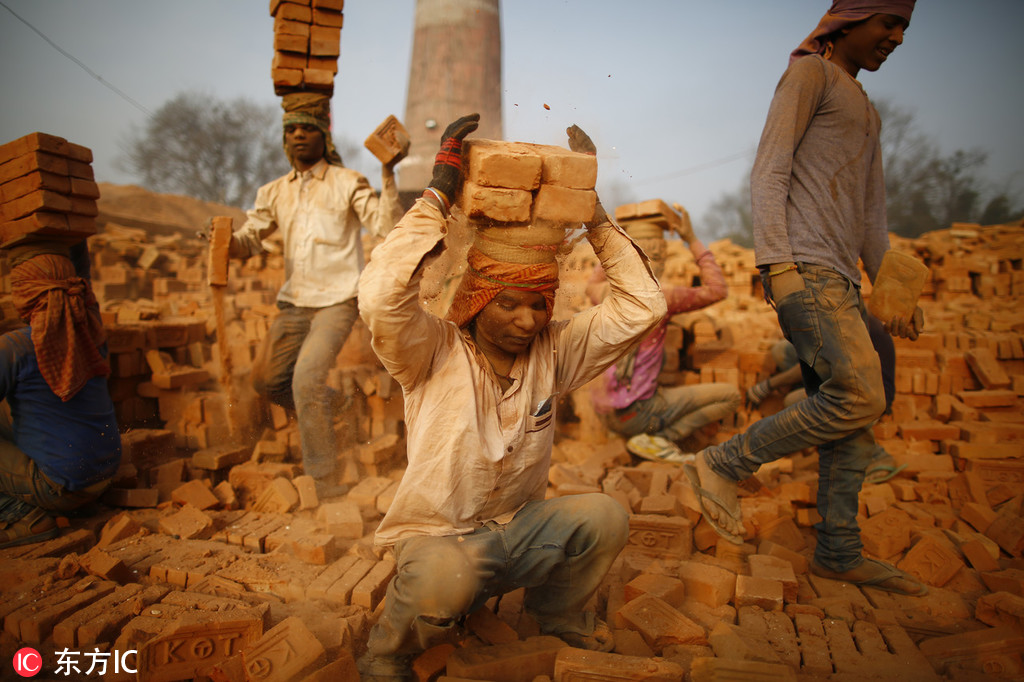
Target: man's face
[[868, 44], [304, 144], [510, 322]]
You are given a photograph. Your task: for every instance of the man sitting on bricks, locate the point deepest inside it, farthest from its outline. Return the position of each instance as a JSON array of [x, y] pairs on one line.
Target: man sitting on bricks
[[469, 520]]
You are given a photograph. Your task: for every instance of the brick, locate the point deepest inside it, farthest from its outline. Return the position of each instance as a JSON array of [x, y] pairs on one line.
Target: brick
[[979, 516], [279, 497], [65, 633], [777, 569], [31, 161], [897, 286], [116, 529], [33, 181], [328, 17], [705, 669], [1008, 532], [886, 534], [131, 497], [659, 623], [519, 661], [98, 563], [986, 368], [932, 561], [35, 622], [325, 41], [566, 168], [761, 592], [990, 649], [33, 142], [659, 536], [107, 621], [369, 591], [294, 11], [783, 531], [495, 204], [670, 590], [509, 165], [431, 662], [988, 398], [181, 649], [1001, 609], [340, 592], [775, 628], [187, 523], [195, 493], [389, 141], [1008, 580], [342, 519], [282, 652], [489, 628], [651, 210], [799, 562], [578, 664], [707, 584], [366, 491], [554, 204], [978, 557]]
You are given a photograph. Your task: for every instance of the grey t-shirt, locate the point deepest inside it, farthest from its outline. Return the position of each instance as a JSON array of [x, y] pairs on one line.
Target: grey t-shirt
[[817, 190]]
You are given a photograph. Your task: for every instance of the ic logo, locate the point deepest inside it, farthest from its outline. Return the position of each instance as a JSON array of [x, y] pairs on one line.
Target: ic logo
[[27, 662]]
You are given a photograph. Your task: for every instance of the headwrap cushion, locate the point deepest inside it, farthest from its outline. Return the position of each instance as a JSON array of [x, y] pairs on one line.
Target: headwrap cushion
[[486, 277], [67, 331], [844, 13]]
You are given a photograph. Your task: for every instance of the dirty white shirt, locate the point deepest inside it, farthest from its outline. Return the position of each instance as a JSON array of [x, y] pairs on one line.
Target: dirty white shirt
[[320, 213], [476, 453]]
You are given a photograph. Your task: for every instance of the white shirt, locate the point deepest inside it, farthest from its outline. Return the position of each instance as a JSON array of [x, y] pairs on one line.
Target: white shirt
[[320, 213]]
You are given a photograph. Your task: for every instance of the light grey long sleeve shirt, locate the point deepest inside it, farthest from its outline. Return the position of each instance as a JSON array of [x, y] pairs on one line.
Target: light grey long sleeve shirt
[[817, 189]]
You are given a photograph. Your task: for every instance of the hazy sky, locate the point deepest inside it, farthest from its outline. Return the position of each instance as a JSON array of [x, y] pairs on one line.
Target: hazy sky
[[673, 92]]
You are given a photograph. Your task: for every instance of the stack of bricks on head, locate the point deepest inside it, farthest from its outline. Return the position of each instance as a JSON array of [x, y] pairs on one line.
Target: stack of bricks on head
[[520, 196], [307, 40], [47, 191]]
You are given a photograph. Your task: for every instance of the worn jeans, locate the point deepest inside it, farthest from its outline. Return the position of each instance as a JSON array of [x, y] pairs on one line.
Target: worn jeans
[[826, 323], [558, 549], [20, 477], [676, 412], [301, 348]]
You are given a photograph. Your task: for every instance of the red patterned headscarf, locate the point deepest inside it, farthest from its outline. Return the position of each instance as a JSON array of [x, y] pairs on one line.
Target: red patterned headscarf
[[846, 12], [486, 277], [67, 331]]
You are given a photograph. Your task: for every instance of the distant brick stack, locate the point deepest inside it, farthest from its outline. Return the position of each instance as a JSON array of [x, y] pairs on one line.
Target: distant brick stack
[[522, 184], [652, 211], [47, 190], [307, 42]]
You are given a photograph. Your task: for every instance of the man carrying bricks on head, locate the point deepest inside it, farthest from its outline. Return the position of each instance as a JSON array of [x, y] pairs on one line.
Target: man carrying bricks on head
[[320, 207], [469, 520], [629, 398], [59, 442], [819, 207]]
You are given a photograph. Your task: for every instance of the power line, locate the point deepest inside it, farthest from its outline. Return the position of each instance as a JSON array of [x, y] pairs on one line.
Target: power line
[[77, 61], [696, 169]]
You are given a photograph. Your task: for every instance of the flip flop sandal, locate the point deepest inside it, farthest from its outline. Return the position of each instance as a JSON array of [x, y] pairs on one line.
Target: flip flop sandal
[[878, 581], [35, 526], [657, 449], [880, 473], [691, 473]]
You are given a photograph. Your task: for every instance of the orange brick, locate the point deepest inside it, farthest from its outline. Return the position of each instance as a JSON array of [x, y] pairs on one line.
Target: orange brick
[[707, 584], [776, 569], [578, 664], [489, 628], [282, 652], [509, 165], [529, 658], [195, 493], [670, 590], [389, 141], [761, 592], [554, 204], [567, 168], [659, 623], [495, 204], [932, 561]]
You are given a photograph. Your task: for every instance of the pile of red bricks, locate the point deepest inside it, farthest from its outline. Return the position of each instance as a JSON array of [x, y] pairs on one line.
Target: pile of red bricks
[[307, 39], [214, 560]]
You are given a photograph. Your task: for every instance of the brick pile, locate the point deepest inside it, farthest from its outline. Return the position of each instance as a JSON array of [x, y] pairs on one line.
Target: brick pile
[[47, 190], [216, 561], [307, 42]]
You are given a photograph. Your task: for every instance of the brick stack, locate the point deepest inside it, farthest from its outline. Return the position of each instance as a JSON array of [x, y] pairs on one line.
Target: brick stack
[[307, 39], [47, 190], [517, 184]]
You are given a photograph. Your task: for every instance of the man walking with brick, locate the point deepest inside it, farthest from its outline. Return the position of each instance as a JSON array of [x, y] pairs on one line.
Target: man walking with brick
[[59, 442], [629, 398], [469, 520], [319, 207], [818, 208]]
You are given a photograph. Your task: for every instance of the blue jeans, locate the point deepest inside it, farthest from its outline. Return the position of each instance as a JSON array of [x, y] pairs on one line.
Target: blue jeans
[[301, 349], [558, 549], [676, 412], [827, 324]]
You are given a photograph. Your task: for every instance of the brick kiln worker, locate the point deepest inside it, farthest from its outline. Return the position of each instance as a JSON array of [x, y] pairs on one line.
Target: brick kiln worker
[[469, 520], [59, 442], [819, 206], [319, 208]]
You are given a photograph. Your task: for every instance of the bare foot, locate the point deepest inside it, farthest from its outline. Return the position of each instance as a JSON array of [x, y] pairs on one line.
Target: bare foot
[[728, 516]]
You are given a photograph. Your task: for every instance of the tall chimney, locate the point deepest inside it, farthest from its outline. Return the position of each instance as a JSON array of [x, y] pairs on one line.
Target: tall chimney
[[455, 70]]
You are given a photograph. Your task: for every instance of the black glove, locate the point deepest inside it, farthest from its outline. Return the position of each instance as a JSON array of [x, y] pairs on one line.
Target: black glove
[[448, 162], [579, 141]]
